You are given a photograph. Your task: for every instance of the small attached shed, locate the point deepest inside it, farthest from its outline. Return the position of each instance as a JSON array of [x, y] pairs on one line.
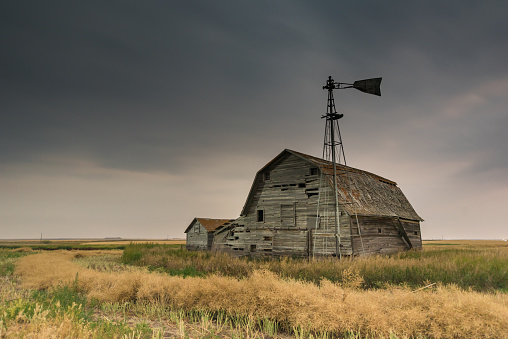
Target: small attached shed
[[199, 233]]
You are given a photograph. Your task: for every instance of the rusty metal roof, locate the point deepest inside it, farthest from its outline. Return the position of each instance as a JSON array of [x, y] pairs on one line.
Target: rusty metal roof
[[210, 224], [360, 192]]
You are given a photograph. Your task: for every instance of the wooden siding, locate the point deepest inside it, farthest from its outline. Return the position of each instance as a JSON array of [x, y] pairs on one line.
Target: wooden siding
[[280, 214], [197, 237], [288, 200], [381, 235]]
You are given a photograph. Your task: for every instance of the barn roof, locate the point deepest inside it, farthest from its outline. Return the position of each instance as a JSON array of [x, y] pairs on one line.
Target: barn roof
[[209, 224], [360, 192]]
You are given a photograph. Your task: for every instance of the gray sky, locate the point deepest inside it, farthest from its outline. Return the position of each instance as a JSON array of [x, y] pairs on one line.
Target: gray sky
[[130, 118]]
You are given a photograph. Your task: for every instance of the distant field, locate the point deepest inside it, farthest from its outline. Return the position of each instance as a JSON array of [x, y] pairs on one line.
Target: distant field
[[465, 243], [84, 244], [127, 242]]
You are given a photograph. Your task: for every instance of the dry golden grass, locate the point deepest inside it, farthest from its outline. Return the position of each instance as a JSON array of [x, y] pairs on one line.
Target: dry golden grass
[[442, 312], [127, 242], [22, 249], [39, 325], [462, 244]]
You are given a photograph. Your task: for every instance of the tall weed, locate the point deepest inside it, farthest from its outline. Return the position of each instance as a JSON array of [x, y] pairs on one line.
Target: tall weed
[[481, 269], [297, 306]]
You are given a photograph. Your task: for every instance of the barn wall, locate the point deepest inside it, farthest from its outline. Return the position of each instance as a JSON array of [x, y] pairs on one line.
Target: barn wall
[[286, 193], [197, 237], [288, 199], [413, 231], [380, 235], [323, 241]]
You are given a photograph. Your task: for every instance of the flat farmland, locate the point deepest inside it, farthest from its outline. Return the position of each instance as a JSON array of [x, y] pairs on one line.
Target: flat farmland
[[127, 242], [149, 289]]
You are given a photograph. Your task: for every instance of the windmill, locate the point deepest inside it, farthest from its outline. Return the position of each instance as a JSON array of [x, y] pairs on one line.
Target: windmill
[[334, 165]]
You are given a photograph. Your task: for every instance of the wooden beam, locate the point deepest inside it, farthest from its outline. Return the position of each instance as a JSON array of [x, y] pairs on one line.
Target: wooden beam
[[404, 235]]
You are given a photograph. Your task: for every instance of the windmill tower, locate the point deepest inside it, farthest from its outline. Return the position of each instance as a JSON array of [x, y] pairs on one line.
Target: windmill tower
[[333, 167]]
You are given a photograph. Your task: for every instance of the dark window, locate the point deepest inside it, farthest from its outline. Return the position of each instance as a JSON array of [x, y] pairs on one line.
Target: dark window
[[267, 176], [301, 185], [314, 171], [416, 233], [379, 230], [260, 215], [253, 248]]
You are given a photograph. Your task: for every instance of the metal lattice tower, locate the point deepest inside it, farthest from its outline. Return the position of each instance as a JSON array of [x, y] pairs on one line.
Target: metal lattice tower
[[327, 232], [328, 202]]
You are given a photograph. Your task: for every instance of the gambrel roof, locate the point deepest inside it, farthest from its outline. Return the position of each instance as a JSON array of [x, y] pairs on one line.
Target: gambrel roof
[[209, 224], [360, 192]]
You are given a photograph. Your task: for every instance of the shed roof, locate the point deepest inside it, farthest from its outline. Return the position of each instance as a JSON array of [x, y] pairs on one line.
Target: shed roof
[[360, 192], [209, 224]]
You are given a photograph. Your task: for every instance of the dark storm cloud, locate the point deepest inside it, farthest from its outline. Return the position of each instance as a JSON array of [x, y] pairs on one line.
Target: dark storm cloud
[[114, 114], [110, 80], [147, 85]]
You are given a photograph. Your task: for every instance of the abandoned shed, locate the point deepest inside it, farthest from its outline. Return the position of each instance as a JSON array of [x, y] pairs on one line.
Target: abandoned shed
[[280, 215], [199, 233]]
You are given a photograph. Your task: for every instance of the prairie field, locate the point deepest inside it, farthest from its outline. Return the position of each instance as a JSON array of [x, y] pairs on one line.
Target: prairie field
[[451, 289], [83, 244]]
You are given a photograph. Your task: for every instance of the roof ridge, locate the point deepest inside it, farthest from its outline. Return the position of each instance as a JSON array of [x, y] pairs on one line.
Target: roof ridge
[[323, 162]]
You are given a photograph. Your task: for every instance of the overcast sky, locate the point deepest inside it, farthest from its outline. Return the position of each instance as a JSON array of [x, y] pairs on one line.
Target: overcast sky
[[130, 118]]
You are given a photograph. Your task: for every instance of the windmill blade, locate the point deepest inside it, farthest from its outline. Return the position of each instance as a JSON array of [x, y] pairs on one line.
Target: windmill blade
[[370, 86]]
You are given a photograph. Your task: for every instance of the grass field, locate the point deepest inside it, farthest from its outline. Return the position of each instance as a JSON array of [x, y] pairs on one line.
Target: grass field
[[138, 293], [481, 267], [83, 244]]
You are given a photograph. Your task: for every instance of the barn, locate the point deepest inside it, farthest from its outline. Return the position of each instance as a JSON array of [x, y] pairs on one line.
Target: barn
[[199, 233], [280, 216]]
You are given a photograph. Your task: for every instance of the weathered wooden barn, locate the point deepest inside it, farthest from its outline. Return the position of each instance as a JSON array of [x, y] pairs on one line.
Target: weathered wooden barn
[[280, 215], [199, 233]]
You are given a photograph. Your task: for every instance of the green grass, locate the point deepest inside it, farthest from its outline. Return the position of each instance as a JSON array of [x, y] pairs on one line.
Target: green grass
[[60, 302], [481, 269], [54, 247], [7, 259]]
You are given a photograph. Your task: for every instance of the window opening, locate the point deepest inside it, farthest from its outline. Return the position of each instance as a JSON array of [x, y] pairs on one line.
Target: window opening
[[314, 171], [379, 230], [267, 176], [301, 185], [260, 215]]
